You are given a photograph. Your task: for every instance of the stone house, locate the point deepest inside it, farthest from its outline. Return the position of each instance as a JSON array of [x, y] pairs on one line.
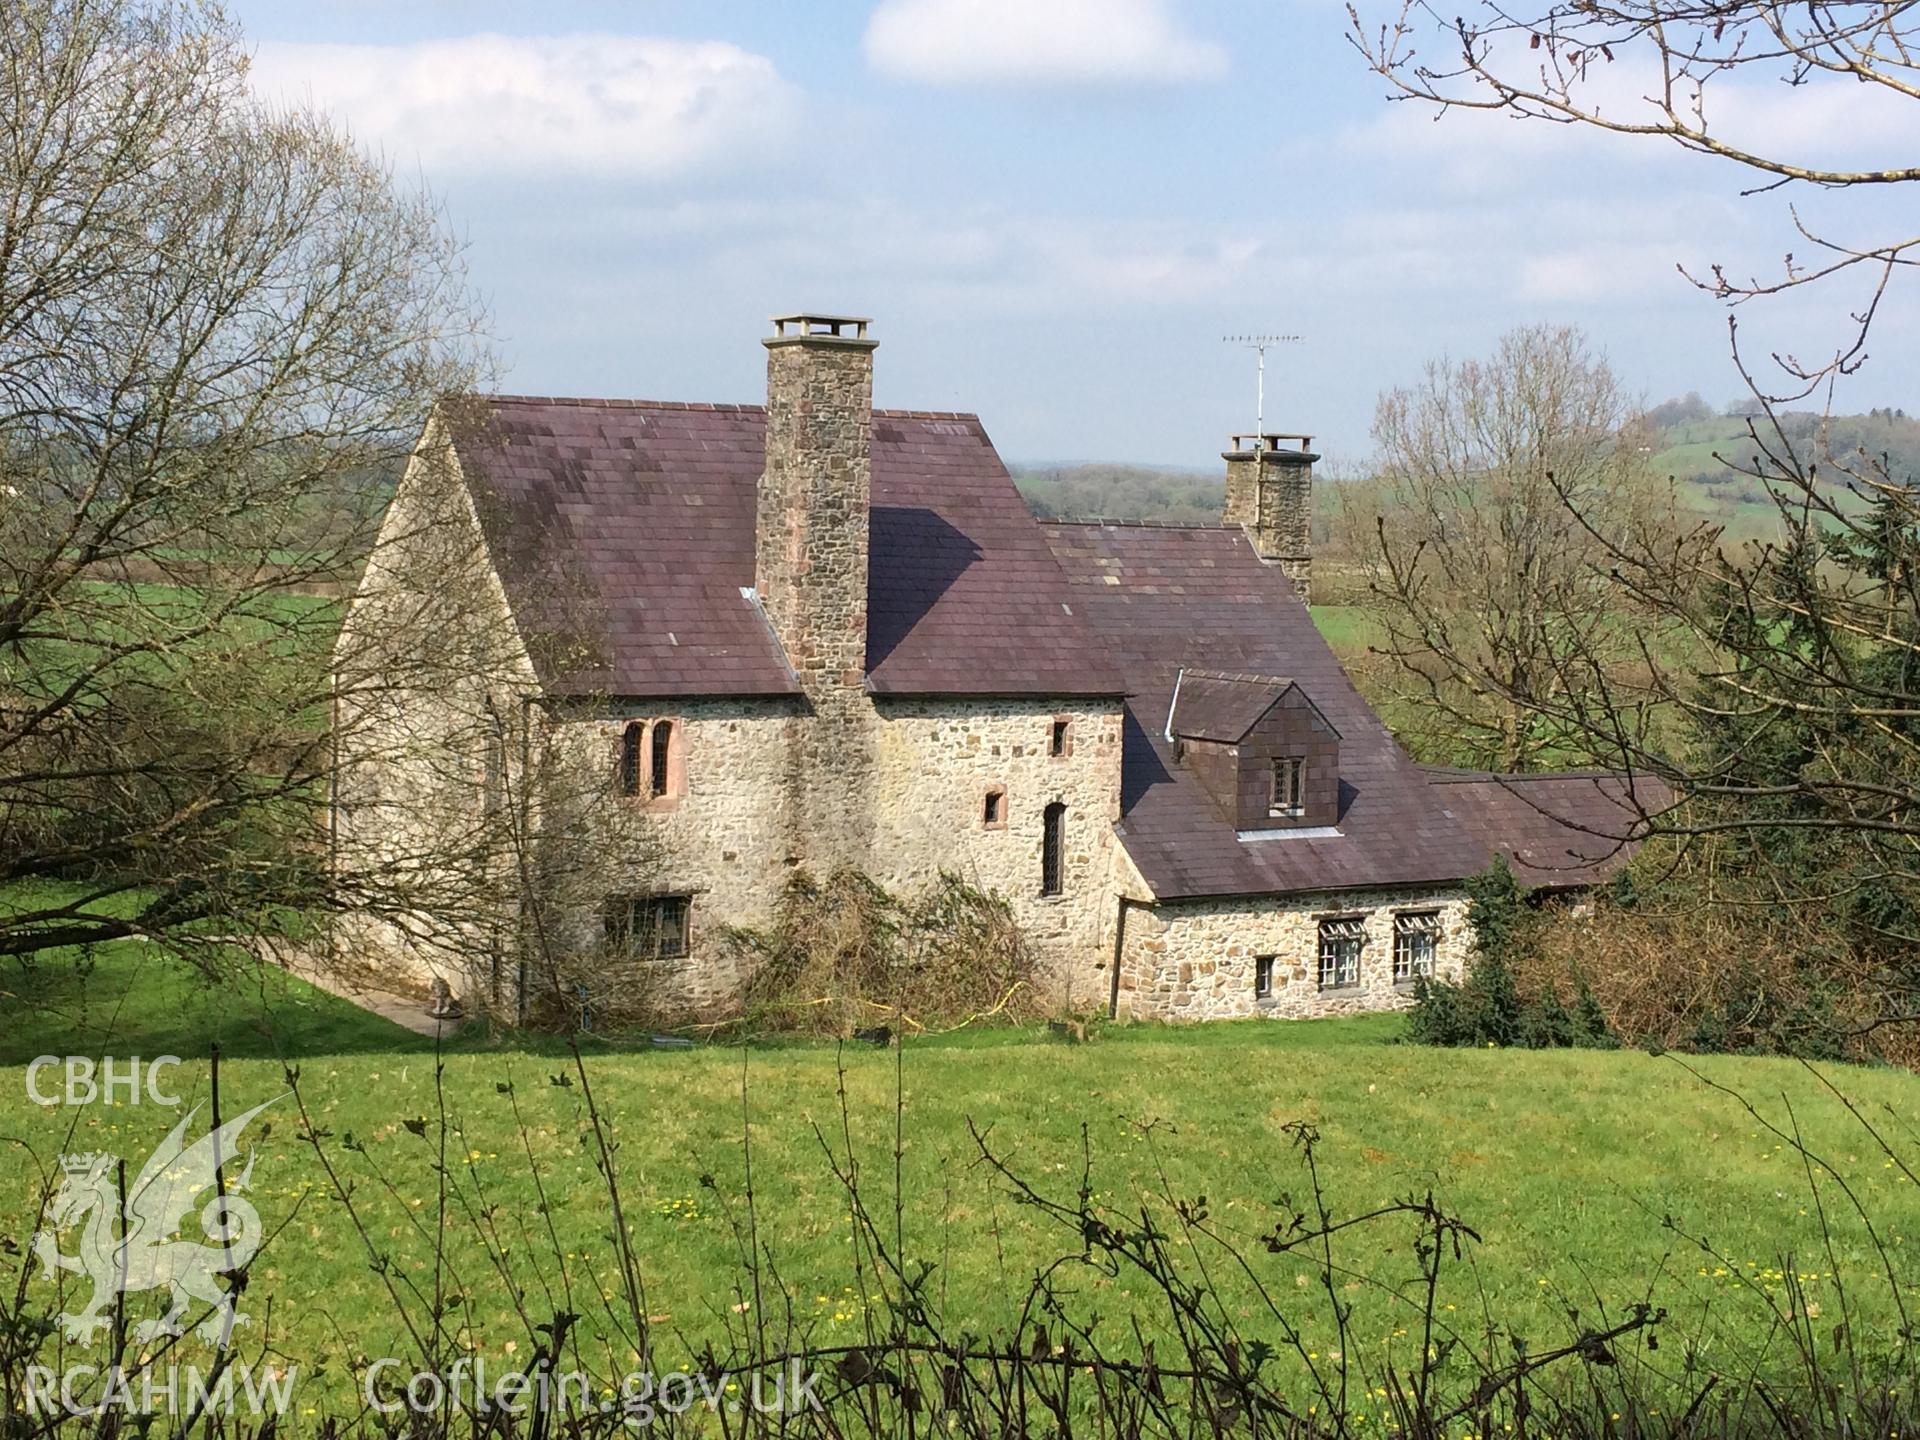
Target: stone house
[[821, 635]]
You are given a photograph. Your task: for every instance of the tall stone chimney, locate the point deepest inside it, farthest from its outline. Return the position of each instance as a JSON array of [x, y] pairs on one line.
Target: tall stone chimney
[[810, 568], [1270, 496]]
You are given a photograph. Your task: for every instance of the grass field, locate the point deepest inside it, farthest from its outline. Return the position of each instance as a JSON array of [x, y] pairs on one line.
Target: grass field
[[1564, 1163], [1349, 629]]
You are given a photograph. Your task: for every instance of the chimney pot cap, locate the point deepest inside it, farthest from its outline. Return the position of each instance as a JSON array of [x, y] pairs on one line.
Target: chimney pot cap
[[1247, 444], [810, 325]]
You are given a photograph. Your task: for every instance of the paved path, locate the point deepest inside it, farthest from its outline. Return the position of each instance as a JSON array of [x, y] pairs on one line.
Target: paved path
[[405, 1010]]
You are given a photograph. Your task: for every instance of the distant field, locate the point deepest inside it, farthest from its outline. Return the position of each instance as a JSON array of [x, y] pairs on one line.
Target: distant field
[[1349, 629], [1122, 492]]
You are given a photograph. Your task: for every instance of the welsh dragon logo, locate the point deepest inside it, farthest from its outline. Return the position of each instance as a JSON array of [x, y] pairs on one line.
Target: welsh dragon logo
[[147, 1254]]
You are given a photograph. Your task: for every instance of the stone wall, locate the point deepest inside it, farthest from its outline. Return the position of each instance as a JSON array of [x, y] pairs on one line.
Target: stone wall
[[1194, 960], [935, 761], [724, 838]]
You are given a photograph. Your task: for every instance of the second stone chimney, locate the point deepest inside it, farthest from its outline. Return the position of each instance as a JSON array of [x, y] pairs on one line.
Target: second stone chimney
[[810, 530], [1270, 496]]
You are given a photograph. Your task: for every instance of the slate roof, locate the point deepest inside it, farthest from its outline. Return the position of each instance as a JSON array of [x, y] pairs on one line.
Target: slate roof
[[624, 534], [1164, 597], [623, 531], [1217, 705], [1557, 831]]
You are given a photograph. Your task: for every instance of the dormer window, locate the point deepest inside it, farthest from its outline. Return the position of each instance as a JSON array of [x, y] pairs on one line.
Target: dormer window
[[1260, 747], [1285, 795]]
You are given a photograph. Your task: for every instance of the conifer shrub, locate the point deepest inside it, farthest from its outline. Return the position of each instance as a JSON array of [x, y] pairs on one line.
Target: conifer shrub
[[1488, 1006]]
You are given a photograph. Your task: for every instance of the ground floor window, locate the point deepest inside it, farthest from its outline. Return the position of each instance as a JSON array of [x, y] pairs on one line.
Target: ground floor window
[[1416, 940], [1342, 938], [648, 927], [1263, 977]]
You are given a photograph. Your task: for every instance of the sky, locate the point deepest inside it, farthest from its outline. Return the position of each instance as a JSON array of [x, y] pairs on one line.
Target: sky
[[1054, 210]]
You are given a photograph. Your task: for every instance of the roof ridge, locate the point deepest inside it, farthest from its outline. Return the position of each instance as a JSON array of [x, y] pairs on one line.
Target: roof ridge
[[586, 402], [590, 402], [1217, 527], [1456, 774], [1246, 677]]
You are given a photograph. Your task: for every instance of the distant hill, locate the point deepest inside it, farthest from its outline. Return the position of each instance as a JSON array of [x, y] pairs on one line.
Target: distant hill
[[1121, 492], [1686, 435], [1687, 449]]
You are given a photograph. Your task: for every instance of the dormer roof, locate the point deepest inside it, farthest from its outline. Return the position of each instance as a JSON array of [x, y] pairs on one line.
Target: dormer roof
[[1224, 705]]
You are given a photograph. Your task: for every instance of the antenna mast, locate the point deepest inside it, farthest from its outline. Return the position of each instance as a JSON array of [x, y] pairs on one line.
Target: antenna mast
[[1258, 344]]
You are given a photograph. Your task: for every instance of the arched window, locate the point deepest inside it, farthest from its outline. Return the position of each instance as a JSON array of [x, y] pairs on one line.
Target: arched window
[[630, 739], [658, 775], [1053, 845]]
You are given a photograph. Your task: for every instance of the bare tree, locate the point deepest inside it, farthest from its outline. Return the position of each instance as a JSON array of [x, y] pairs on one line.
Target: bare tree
[[1502, 484], [222, 326], [1671, 70], [1790, 675]]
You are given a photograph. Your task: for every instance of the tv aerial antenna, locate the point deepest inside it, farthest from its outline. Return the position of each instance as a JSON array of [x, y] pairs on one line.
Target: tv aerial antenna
[[1260, 344]]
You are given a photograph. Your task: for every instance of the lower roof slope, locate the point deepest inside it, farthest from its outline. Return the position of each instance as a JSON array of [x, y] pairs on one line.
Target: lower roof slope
[[624, 534], [1165, 597], [1557, 831]]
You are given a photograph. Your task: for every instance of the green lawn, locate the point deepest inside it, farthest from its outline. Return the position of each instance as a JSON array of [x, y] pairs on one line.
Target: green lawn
[[1564, 1163], [1349, 629]]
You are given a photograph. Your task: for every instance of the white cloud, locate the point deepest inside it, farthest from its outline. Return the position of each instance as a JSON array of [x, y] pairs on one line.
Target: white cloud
[[611, 104], [1038, 43]]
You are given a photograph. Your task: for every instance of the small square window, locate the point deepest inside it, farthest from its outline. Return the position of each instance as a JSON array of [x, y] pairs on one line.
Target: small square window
[[993, 808], [1416, 940], [1342, 938], [1060, 738], [1263, 977], [648, 927], [1285, 798]]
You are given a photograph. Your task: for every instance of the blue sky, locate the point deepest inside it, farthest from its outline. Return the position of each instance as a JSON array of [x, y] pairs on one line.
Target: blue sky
[[1053, 209]]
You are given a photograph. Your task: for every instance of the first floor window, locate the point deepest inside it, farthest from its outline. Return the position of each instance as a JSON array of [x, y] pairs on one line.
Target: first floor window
[[1053, 848], [493, 776], [1263, 977], [648, 927], [1285, 798], [651, 764], [1416, 939], [661, 756], [1341, 941], [631, 740]]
